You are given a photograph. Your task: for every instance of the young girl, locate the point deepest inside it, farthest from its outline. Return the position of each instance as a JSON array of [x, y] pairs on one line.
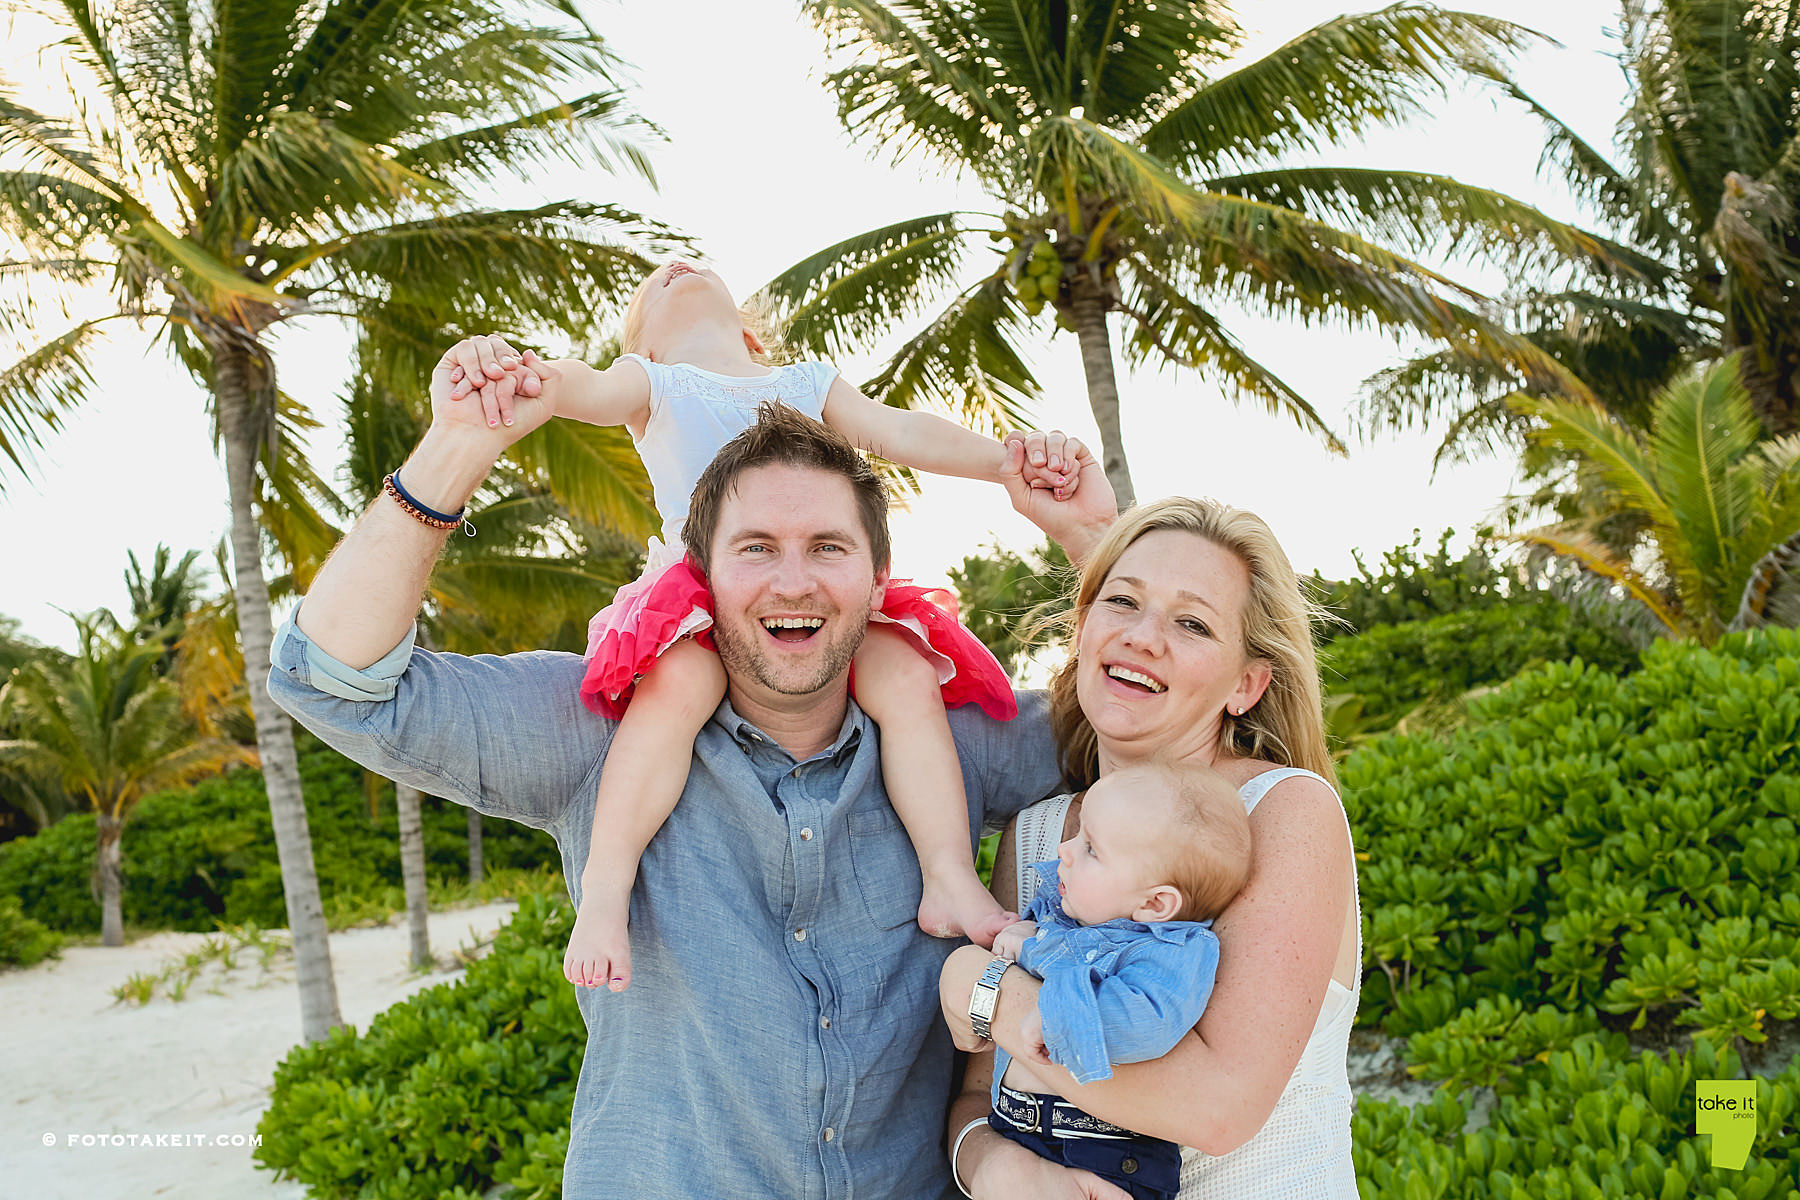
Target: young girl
[[692, 377]]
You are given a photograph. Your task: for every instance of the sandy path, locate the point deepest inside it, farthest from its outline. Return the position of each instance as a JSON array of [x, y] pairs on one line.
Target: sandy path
[[72, 1062]]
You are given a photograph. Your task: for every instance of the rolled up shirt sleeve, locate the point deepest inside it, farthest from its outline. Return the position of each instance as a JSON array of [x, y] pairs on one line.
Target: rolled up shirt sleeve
[[506, 735]]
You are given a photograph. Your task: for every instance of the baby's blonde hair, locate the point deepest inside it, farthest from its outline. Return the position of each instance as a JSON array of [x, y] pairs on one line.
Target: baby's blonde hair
[[1208, 839], [758, 313]]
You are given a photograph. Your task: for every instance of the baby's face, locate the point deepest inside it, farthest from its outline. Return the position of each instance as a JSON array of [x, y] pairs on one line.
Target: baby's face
[[1108, 868]]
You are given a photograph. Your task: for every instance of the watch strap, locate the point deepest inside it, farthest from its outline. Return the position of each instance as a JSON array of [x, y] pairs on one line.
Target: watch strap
[[985, 996]]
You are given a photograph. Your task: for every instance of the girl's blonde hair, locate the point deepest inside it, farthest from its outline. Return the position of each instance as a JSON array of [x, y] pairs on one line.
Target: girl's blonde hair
[[1286, 726], [757, 312]]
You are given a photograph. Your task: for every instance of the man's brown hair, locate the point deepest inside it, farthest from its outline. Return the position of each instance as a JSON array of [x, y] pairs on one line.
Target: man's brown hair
[[783, 436]]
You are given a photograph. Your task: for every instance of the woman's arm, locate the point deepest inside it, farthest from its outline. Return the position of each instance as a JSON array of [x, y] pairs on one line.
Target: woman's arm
[[1278, 942], [987, 1165]]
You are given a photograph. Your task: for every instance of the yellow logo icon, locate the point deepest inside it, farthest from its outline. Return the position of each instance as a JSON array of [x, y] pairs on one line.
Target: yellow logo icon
[[1726, 1108]]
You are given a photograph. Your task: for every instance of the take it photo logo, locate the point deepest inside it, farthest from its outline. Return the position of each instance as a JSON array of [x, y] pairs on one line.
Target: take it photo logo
[[1726, 1108]]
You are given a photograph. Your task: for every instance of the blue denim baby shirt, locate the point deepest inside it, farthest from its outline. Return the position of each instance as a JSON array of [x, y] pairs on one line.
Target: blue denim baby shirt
[[1114, 992], [780, 1036]]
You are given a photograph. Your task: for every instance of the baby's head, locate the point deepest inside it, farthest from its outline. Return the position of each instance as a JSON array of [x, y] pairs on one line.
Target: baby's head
[[680, 297], [1158, 842]]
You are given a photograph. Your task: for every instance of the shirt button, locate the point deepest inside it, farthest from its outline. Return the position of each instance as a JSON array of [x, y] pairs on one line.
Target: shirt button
[[825, 1022], [1129, 1166], [829, 1133], [806, 834], [1092, 955], [799, 935]]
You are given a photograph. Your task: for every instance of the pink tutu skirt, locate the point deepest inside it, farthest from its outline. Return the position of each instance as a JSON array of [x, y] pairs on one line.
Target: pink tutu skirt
[[652, 613]]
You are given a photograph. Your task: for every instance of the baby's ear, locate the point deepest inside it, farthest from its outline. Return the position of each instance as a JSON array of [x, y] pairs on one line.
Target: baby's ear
[[753, 343], [1161, 904]]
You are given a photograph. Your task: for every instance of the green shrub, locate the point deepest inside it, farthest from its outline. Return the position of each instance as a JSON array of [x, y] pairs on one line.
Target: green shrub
[[22, 940], [1625, 844], [203, 856], [1411, 587], [454, 1090], [1393, 669]]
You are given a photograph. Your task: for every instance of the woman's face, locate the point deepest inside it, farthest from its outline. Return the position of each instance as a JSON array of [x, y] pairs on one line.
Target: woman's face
[[1161, 649]]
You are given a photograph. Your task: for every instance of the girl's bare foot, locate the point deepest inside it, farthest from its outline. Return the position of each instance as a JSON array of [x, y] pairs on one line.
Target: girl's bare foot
[[956, 905], [599, 953]]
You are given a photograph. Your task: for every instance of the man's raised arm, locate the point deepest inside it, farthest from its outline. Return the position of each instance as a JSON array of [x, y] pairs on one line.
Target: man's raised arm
[[364, 599]]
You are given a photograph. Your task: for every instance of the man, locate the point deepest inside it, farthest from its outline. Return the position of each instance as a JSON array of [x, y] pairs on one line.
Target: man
[[779, 1037]]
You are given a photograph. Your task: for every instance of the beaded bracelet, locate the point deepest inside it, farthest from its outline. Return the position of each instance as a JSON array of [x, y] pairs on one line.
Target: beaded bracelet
[[425, 516]]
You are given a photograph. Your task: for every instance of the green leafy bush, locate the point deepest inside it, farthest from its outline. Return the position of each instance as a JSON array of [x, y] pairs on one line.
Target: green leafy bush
[[204, 855], [22, 940], [1591, 840], [1393, 669], [454, 1090], [1584, 900], [1410, 586]]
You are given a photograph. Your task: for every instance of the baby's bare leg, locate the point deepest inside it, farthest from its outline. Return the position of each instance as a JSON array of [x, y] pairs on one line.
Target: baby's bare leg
[[899, 690], [645, 770]]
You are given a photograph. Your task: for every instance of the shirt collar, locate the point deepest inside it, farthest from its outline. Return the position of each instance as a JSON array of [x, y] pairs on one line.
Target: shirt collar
[[748, 736]]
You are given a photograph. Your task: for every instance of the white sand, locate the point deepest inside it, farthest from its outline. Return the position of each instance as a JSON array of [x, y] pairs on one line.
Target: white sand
[[72, 1062]]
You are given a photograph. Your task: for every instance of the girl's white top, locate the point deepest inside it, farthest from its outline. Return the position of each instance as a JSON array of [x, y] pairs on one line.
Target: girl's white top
[[693, 413], [1302, 1152]]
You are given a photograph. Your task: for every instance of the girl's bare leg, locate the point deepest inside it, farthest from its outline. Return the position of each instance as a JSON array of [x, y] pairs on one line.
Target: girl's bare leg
[[646, 768], [899, 690]]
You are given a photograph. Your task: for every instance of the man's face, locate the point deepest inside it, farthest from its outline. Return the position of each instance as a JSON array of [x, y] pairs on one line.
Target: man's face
[[793, 582]]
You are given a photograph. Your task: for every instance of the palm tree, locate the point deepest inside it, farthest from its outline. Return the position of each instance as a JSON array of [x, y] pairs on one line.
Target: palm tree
[[1701, 179], [109, 729], [250, 164], [1134, 178], [1719, 504]]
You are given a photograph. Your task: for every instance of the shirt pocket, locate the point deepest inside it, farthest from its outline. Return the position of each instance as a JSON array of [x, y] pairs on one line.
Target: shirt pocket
[[886, 868]]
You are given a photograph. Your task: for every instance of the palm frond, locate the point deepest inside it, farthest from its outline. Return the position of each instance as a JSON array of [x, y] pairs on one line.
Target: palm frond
[[1772, 593], [1165, 323], [967, 362], [599, 121], [38, 390], [593, 471], [848, 294], [1592, 556], [1338, 80], [1416, 211], [1703, 426]]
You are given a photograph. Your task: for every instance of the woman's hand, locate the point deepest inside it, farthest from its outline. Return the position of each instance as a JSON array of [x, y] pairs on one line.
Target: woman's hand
[[1088, 507], [955, 984], [1008, 1171]]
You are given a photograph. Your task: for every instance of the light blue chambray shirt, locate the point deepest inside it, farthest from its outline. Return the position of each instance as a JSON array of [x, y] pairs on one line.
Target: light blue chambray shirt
[[1114, 992], [780, 1036]]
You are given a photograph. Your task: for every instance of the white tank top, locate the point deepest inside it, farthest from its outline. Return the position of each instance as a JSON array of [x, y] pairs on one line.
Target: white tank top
[[1302, 1152], [694, 412]]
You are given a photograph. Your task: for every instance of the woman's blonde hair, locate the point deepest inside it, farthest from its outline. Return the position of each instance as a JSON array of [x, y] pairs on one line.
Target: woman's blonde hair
[[757, 312], [1287, 725]]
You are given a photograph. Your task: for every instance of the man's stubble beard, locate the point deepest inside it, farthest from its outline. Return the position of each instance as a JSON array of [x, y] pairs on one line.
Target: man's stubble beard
[[745, 659]]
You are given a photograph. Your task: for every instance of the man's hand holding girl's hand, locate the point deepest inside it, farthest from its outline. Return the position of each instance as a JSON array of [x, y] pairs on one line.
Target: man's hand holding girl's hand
[[483, 381]]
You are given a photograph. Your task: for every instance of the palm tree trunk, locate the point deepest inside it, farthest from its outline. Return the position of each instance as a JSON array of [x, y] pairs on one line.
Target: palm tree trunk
[[108, 861], [274, 733], [476, 870], [412, 870], [1087, 309]]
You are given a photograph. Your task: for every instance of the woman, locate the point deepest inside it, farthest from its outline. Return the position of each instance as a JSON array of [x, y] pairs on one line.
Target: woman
[[1193, 641]]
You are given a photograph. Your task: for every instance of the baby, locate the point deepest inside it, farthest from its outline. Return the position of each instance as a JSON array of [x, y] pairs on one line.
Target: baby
[[1122, 941]]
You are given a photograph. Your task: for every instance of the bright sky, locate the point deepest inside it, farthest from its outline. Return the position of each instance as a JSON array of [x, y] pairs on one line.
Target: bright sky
[[760, 171]]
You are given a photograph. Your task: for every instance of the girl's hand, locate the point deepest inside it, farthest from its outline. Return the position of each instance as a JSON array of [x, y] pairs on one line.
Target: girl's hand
[[486, 364], [1077, 522], [1053, 461]]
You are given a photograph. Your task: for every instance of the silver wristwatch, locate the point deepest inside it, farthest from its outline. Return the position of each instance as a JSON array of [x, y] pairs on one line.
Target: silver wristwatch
[[985, 996]]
